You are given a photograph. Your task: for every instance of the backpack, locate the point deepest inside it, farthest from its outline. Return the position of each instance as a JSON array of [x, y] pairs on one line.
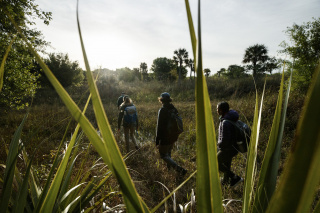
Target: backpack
[[175, 125], [130, 115], [243, 136]]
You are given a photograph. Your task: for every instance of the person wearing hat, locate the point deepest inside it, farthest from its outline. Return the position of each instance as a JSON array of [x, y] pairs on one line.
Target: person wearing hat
[[120, 99], [163, 141]]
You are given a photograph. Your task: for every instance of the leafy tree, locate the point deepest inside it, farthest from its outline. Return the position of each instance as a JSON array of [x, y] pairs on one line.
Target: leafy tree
[[207, 72], [144, 71], [235, 71], [162, 68], [126, 74], [67, 72], [180, 57], [221, 71], [271, 64], [305, 50], [256, 56], [19, 84], [23, 12], [137, 73]]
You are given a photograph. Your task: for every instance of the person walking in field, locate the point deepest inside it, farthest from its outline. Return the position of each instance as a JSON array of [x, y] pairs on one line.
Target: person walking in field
[[120, 99], [226, 141], [129, 118], [165, 138]]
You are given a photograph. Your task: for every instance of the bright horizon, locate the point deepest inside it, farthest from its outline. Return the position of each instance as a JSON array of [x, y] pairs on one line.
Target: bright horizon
[[125, 33]]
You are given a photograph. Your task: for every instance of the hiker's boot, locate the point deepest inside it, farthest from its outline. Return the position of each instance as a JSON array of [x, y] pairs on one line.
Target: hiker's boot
[[235, 181]]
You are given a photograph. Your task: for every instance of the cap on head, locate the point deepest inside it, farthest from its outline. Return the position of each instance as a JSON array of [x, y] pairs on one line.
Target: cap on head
[[123, 93], [165, 95]]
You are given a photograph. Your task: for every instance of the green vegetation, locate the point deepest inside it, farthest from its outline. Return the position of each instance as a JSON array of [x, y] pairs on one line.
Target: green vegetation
[[304, 48], [58, 178], [259, 61]]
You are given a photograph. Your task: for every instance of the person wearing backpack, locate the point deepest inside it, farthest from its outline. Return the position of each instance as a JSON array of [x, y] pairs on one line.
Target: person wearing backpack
[[227, 137], [129, 118], [166, 134], [120, 99]]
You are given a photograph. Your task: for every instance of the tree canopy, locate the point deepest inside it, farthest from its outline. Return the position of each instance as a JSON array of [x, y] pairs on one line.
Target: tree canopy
[[19, 83], [67, 72], [181, 59], [162, 67], [304, 49]]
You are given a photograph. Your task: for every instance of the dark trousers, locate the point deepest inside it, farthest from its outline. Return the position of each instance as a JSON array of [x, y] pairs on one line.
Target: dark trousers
[[129, 132], [224, 162], [165, 154]]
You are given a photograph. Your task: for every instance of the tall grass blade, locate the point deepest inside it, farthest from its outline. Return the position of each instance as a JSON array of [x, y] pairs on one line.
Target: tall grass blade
[[269, 169], [83, 121], [174, 191], [88, 195], [317, 208], [35, 188], [301, 177], [111, 150], [208, 184], [192, 31], [52, 194], [21, 199], [252, 155], [3, 63], [10, 166]]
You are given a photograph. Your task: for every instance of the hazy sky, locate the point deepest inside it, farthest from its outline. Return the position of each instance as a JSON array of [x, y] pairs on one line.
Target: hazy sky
[[124, 33]]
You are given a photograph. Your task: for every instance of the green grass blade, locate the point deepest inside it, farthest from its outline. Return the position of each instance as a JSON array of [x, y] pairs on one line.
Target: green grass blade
[[270, 165], [192, 31], [72, 107], [65, 184], [209, 193], [301, 177], [88, 195], [52, 194], [21, 199], [252, 155], [317, 209], [3, 63], [174, 191], [117, 165], [10, 166], [35, 189]]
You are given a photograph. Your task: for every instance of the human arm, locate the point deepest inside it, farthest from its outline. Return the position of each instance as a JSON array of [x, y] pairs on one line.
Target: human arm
[[160, 126], [121, 113], [226, 135]]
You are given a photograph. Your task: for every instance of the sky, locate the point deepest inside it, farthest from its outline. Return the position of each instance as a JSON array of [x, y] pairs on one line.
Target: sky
[[125, 33]]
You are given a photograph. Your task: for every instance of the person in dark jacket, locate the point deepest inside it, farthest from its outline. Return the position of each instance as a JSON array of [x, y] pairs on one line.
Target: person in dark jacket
[[120, 99], [226, 139], [164, 141], [129, 126]]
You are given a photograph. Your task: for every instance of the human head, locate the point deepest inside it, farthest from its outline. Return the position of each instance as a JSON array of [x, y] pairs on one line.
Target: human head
[[123, 93], [127, 99], [165, 98], [222, 108]]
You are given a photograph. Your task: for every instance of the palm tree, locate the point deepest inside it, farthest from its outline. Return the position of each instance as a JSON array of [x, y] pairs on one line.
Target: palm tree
[[181, 55], [190, 64], [207, 72], [257, 55], [144, 70], [222, 70]]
